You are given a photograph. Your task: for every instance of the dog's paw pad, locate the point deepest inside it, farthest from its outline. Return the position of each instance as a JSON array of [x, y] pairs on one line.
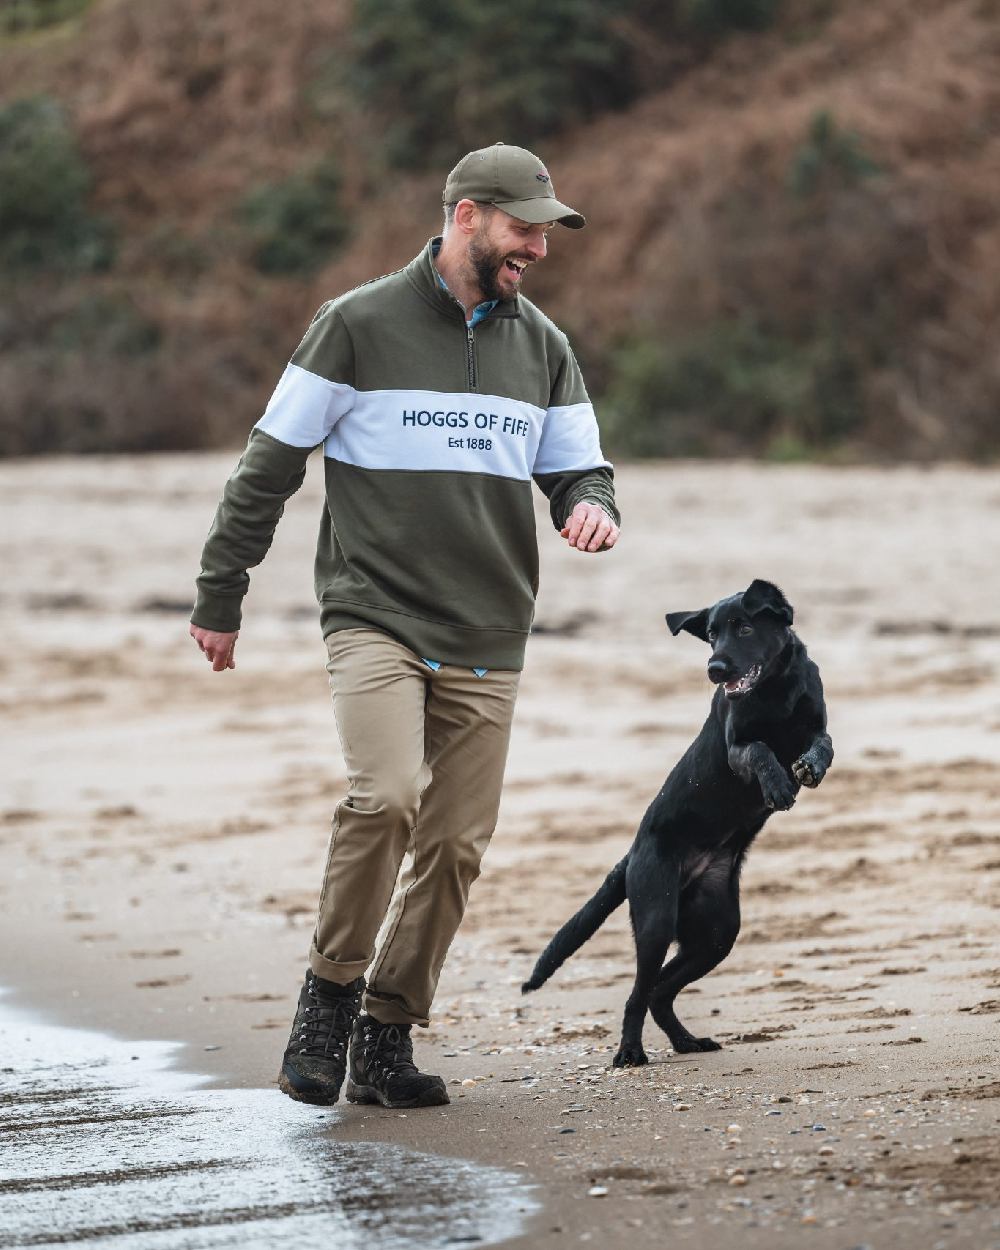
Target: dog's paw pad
[[805, 774]]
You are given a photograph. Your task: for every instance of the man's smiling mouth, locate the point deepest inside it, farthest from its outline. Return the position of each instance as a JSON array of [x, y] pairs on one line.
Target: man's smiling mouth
[[516, 267]]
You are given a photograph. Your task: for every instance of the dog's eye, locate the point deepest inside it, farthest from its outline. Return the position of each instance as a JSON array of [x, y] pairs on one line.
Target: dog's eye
[[745, 629], [712, 635]]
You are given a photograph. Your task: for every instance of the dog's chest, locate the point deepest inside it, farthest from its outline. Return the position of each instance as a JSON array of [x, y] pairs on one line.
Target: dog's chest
[[694, 866], [787, 736]]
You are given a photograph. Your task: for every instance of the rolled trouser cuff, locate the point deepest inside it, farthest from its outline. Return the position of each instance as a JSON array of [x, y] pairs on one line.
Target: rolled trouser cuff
[[391, 1011], [339, 973]]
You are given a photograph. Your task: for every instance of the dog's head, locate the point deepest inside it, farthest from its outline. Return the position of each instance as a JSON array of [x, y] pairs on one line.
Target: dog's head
[[747, 633]]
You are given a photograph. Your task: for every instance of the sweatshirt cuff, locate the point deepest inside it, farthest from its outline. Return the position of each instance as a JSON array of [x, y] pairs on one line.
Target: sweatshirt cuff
[[588, 496], [221, 613]]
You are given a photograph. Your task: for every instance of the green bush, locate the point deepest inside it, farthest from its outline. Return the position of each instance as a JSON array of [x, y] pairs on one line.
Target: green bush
[[829, 157], [715, 17], [102, 325], [45, 222], [452, 75], [295, 224], [732, 388], [85, 371], [18, 16]]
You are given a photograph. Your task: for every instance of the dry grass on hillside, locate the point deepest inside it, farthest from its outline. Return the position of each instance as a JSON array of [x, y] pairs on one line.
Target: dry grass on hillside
[[184, 107]]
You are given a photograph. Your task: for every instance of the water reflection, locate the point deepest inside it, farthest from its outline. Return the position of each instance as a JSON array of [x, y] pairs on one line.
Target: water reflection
[[101, 1143]]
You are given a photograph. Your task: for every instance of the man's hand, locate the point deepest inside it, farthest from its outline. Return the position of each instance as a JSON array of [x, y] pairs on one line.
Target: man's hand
[[589, 528], [218, 649]]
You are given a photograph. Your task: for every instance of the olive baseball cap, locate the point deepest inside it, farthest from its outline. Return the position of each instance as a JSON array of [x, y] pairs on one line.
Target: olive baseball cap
[[513, 179]]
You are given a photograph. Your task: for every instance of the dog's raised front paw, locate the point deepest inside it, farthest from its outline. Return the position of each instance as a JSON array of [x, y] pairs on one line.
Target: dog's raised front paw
[[808, 772], [779, 791], [630, 1057]]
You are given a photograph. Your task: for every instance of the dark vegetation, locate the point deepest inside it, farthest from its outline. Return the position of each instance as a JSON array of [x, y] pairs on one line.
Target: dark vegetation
[[18, 16], [794, 208], [293, 225], [444, 73], [45, 220]]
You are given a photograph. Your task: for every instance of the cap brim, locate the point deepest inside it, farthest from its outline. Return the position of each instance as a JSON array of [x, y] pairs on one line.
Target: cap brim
[[541, 209]]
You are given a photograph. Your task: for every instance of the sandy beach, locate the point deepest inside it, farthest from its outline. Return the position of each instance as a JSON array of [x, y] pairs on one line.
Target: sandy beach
[[161, 826]]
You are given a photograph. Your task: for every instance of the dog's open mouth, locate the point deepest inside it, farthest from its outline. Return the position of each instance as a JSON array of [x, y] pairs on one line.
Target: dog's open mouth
[[742, 685]]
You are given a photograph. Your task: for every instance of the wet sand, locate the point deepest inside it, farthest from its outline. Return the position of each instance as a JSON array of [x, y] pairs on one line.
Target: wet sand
[[163, 828]]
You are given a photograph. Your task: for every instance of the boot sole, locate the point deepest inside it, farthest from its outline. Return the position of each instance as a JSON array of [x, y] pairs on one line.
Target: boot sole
[[317, 1099], [436, 1096]]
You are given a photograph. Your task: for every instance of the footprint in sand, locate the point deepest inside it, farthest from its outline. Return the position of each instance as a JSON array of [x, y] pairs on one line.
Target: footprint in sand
[[988, 1007]]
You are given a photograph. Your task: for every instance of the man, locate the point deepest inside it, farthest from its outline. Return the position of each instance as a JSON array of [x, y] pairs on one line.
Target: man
[[438, 393]]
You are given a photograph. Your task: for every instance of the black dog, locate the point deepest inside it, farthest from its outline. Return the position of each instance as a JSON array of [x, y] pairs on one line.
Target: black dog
[[764, 738]]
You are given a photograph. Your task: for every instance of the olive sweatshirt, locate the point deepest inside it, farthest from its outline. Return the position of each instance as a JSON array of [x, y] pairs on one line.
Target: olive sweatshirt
[[432, 431]]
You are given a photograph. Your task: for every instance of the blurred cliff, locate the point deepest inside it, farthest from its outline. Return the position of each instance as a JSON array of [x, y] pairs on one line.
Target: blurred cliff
[[794, 208]]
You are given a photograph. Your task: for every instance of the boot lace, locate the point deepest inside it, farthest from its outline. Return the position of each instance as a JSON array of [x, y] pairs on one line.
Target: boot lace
[[325, 1027], [389, 1052]]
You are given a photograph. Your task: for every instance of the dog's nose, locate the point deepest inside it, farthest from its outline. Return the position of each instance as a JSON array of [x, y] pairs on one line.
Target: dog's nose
[[718, 670]]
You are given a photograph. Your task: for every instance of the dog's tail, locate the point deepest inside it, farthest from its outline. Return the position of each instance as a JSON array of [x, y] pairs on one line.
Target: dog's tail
[[580, 927]]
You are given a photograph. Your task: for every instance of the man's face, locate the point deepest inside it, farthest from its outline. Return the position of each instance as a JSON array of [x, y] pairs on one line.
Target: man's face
[[501, 250]]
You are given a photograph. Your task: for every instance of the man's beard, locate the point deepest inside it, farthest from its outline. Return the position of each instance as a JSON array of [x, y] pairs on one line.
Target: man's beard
[[486, 262]]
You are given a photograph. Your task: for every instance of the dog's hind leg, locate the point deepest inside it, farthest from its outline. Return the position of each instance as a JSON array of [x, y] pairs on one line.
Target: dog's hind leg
[[708, 924], [653, 885]]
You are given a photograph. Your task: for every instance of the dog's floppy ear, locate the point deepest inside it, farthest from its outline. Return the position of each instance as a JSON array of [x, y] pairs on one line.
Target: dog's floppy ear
[[694, 622], [762, 596]]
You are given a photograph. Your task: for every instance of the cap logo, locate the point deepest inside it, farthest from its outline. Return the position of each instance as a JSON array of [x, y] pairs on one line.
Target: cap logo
[[542, 177]]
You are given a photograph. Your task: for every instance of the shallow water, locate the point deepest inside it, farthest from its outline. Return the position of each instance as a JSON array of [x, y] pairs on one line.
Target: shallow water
[[102, 1142]]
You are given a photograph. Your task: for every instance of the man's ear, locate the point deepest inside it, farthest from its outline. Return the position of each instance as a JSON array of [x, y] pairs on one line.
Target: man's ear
[[467, 216], [694, 622], [762, 596]]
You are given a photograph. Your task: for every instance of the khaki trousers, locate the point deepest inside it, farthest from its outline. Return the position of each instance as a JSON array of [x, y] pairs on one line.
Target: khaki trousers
[[425, 754]]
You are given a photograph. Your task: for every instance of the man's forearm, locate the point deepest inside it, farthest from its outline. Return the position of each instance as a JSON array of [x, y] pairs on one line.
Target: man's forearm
[[254, 498]]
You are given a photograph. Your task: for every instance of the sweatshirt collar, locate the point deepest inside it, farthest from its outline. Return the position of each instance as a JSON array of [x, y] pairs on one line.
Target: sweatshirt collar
[[481, 311], [423, 275]]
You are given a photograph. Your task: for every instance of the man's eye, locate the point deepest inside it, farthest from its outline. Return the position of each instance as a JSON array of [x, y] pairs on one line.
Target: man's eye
[[744, 630]]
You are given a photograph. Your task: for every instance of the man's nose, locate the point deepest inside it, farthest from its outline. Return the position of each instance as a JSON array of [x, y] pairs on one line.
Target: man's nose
[[537, 247]]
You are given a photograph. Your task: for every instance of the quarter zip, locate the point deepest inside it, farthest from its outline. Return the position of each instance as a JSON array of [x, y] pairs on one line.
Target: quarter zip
[[470, 356]]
